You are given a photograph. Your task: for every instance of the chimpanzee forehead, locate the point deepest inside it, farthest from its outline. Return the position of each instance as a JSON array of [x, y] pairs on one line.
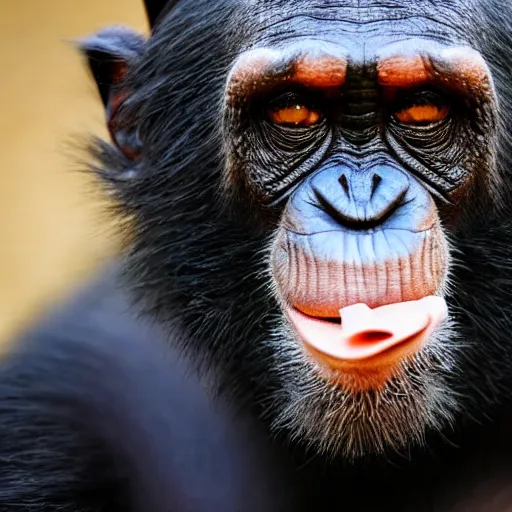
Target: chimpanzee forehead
[[363, 23], [365, 11]]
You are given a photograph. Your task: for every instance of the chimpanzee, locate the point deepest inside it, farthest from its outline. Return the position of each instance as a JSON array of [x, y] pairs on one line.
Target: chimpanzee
[[318, 217]]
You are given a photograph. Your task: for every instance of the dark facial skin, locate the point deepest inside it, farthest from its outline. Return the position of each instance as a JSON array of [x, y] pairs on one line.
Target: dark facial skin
[[392, 187], [359, 82]]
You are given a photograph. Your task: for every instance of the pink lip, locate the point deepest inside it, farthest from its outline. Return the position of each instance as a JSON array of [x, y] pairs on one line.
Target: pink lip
[[365, 334]]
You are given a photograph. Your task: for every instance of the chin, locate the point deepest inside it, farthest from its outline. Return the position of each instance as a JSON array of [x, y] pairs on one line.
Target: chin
[[352, 410]]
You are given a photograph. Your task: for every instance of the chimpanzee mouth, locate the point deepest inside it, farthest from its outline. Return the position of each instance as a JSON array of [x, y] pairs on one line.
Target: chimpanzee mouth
[[364, 339]]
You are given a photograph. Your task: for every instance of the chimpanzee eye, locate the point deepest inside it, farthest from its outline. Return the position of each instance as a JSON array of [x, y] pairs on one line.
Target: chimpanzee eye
[[293, 110], [423, 109]]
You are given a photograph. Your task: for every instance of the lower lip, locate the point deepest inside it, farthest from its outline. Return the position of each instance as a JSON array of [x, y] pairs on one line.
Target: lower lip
[[333, 329], [372, 363]]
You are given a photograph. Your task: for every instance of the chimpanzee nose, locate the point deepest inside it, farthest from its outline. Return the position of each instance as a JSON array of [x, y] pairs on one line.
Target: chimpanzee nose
[[360, 199]]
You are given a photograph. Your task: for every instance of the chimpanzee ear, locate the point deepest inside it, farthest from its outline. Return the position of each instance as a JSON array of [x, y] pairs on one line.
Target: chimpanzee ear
[[109, 54]]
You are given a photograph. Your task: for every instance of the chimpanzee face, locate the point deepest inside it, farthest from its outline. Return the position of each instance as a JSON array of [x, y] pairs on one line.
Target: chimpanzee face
[[363, 134]]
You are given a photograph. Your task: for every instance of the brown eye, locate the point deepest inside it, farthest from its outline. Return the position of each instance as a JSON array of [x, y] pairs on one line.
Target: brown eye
[[423, 114], [294, 113]]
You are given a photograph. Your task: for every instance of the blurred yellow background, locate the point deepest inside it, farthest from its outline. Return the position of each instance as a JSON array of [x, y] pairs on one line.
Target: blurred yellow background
[[53, 230]]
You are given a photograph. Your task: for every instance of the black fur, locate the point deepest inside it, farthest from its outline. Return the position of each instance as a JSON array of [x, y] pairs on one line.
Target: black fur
[[97, 415], [196, 263]]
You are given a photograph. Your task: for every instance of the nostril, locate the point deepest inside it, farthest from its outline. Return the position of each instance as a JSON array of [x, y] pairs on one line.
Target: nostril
[[344, 183], [376, 180]]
